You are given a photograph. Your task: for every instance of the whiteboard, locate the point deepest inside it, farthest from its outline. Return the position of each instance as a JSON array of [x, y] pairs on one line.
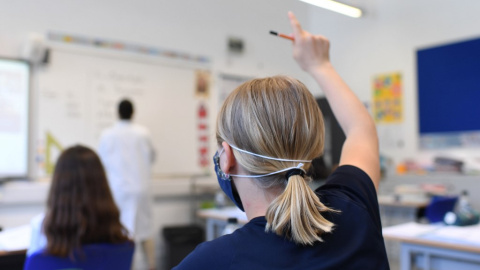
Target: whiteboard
[[14, 118], [78, 98]]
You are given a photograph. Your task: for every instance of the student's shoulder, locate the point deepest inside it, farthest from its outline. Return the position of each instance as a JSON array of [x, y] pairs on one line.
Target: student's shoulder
[[349, 177], [215, 254], [350, 186]]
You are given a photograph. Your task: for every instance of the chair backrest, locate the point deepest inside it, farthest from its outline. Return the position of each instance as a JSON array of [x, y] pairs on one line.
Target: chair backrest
[[438, 207], [100, 256]]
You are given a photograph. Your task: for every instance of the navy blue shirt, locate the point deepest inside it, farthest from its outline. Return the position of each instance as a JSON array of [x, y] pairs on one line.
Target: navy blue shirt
[[355, 243]]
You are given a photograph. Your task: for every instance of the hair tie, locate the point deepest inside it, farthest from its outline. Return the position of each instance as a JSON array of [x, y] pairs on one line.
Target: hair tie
[[293, 172]]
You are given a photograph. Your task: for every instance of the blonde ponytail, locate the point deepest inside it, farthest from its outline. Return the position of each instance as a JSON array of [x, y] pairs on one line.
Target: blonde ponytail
[[278, 117], [296, 213]]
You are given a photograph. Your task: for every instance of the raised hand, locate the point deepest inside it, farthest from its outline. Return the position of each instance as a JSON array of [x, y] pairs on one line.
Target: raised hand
[[310, 51]]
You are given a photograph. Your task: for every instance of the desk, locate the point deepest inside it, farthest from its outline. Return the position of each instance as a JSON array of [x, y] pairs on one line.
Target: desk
[[13, 247], [12, 260], [431, 246], [217, 219], [393, 212]]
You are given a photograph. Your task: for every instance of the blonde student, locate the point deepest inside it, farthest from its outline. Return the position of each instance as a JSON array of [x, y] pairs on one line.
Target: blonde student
[[268, 132]]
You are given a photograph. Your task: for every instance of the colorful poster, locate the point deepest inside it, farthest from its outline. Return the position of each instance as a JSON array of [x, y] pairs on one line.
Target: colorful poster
[[202, 87], [203, 136], [388, 98]]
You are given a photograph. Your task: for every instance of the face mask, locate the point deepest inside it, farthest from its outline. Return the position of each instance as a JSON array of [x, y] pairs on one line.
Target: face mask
[[225, 180]]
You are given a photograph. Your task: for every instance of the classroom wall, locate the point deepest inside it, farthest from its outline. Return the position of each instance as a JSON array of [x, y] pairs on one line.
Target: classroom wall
[[196, 27], [385, 40]]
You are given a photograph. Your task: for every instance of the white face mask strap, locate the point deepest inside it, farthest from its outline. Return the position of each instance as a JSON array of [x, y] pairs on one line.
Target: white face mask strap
[[267, 157], [299, 166]]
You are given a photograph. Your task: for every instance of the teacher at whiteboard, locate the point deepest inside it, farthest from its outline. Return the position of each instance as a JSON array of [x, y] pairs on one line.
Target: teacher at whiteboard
[[127, 153]]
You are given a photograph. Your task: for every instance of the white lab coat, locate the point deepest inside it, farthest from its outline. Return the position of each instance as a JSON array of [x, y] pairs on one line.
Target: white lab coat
[[127, 153]]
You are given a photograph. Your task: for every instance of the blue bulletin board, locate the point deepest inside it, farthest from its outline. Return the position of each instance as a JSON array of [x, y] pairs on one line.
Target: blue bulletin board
[[449, 95]]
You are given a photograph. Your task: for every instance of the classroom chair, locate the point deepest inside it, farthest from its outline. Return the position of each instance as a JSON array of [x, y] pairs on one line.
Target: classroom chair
[[438, 207], [91, 257]]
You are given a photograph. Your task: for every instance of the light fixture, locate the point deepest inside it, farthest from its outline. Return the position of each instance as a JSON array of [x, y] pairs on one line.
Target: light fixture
[[337, 7]]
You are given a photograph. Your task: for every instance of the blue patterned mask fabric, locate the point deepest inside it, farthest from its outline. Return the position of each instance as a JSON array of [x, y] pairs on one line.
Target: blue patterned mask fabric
[[225, 182]]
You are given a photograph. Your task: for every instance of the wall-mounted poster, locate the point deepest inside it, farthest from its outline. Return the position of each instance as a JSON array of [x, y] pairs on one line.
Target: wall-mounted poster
[[388, 98], [202, 87], [203, 133]]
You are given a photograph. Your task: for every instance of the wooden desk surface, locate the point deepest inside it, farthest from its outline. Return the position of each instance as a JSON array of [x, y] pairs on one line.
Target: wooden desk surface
[[388, 200], [13, 252], [403, 204]]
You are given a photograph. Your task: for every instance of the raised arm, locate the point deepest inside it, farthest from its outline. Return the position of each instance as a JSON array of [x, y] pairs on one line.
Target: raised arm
[[361, 145]]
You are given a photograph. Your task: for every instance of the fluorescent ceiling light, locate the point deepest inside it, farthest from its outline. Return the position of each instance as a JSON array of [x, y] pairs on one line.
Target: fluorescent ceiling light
[[337, 7]]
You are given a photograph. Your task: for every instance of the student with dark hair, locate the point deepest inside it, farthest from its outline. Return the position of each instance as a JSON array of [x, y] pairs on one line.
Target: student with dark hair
[[127, 152], [80, 207]]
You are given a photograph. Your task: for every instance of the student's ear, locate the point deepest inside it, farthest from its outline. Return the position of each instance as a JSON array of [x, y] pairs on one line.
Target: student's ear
[[228, 162]]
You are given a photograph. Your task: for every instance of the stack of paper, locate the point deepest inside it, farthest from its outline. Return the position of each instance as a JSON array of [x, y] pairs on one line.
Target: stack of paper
[[468, 234], [436, 232], [17, 238], [411, 229]]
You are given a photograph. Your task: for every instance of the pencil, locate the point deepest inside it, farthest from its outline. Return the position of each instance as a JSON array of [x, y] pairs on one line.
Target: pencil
[[281, 35]]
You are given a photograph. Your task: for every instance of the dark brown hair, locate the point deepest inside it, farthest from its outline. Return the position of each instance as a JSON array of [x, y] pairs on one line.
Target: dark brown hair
[[80, 206]]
